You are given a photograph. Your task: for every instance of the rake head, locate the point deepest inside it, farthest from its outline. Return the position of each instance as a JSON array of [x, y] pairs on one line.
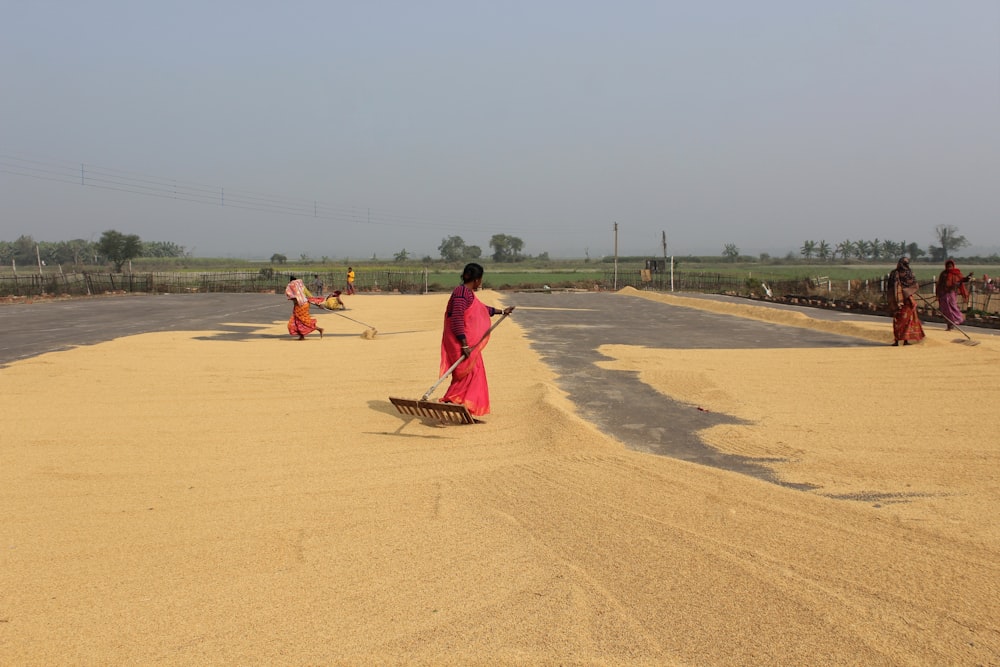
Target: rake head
[[446, 412]]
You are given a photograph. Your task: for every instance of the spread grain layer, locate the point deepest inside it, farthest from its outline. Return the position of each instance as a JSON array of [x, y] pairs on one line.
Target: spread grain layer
[[190, 498]]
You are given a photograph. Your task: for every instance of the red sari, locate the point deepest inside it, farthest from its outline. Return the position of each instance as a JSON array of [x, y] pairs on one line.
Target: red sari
[[902, 292], [468, 380]]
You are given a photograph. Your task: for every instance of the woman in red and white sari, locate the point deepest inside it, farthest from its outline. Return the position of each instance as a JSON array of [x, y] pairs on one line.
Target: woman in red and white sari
[[300, 323], [466, 321]]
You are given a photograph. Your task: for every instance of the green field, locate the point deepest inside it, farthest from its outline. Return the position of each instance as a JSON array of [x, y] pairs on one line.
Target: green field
[[562, 272], [580, 274]]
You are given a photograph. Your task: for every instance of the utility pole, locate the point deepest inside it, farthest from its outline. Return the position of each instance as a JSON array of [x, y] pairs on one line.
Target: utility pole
[[616, 257], [665, 259]]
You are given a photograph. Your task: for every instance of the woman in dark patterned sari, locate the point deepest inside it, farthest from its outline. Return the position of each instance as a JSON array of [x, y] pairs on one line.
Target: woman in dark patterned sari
[[901, 294]]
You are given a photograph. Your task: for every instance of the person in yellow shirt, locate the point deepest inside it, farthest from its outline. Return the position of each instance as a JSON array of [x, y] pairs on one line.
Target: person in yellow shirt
[[350, 280]]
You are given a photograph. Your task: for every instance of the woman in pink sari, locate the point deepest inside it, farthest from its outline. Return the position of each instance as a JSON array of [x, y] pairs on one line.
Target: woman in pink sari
[[300, 323], [950, 284], [466, 321]]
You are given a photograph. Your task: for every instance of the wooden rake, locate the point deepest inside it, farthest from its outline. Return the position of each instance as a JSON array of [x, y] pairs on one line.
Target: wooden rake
[[969, 340], [453, 413]]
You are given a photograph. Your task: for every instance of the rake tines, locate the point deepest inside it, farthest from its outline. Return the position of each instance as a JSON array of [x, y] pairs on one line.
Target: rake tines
[[445, 412]]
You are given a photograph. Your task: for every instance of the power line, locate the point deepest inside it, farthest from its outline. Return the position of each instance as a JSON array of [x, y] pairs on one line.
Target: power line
[[117, 180]]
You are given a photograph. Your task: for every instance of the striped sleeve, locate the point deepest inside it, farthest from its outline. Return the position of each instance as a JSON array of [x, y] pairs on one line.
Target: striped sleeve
[[461, 299]]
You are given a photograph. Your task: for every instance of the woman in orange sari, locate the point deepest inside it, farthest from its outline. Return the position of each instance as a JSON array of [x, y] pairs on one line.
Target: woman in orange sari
[[466, 321], [901, 294], [300, 323]]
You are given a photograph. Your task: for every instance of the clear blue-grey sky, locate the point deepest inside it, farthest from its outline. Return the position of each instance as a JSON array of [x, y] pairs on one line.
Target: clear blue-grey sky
[[353, 129]]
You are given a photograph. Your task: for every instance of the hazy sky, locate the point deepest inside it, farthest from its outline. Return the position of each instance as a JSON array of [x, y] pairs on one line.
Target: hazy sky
[[347, 129]]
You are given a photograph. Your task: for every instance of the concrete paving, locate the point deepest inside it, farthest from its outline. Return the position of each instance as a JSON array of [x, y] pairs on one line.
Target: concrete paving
[[27, 330]]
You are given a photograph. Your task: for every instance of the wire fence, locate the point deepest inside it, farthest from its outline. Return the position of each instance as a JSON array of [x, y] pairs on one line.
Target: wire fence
[[264, 280], [983, 297]]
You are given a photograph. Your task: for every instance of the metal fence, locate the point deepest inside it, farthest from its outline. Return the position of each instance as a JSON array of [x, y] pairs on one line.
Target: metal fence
[[983, 297], [264, 280]]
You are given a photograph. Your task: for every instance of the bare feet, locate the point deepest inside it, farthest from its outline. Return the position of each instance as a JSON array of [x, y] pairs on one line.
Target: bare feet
[[320, 332]]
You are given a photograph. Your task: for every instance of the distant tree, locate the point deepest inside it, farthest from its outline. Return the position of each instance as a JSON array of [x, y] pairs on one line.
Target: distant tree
[[765, 258], [823, 251], [808, 249], [891, 248], [846, 249], [278, 258], [47, 252], [731, 252], [543, 257], [506, 248], [24, 250], [119, 248], [77, 251], [401, 256], [950, 240], [875, 249], [914, 251], [452, 249], [162, 249]]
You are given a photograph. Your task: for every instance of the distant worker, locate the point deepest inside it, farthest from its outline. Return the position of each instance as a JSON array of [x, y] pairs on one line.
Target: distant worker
[[350, 280], [317, 285], [300, 324], [950, 284], [901, 295]]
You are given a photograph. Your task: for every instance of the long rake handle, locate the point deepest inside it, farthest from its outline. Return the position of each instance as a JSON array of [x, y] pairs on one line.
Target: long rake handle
[[938, 308], [350, 318], [462, 358]]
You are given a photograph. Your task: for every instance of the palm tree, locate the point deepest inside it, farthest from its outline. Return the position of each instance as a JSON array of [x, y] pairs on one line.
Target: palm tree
[[846, 249], [808, 248], [823, 251]]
